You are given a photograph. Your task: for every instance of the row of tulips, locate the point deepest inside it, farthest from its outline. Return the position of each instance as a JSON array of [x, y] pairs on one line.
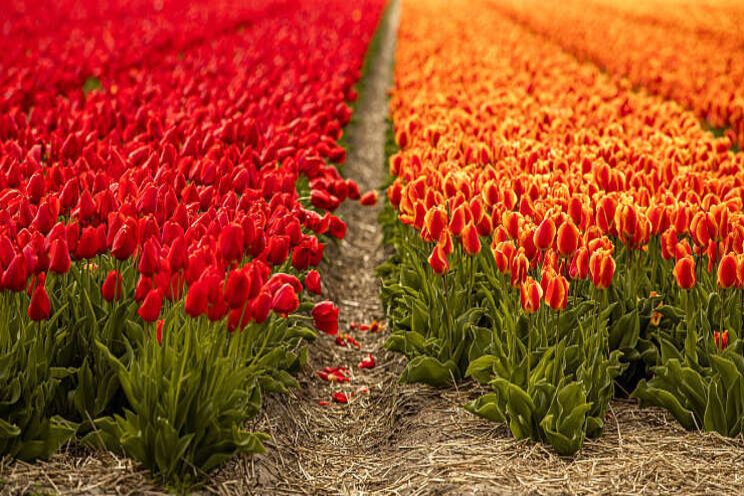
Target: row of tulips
[[159, 232], [557, 234], [701, 70]]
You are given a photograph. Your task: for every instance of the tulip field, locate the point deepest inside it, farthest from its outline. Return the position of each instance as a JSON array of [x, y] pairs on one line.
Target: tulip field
[[165, 201], [572, 234], [563, 219]]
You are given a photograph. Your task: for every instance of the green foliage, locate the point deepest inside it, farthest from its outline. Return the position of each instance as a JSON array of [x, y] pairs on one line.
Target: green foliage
[[28, 382]]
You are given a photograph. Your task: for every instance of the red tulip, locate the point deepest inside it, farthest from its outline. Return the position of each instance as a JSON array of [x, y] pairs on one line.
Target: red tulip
[[40, 307], [285, 300], [149, 262], [721, 340], [230, 246], [237, 288], [111, 289], [196, 300], [125, 242], [325, 317], [340, 397], [312, 282], [337, 228], [59, 255], [261, 307], [16, 275], [150, 308]]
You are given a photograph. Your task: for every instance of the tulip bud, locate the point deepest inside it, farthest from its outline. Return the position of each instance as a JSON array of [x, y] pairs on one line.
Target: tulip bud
[[721, 340], [111, 289], [519, 268], [285, 300], [40, 307], [150, 308], [684, 272], [312, 282], [59, 255], [544, 234], [601, 269], [438, 261], [727, 271], [568, 239], [470, 241], [556, 295], [530, 294]]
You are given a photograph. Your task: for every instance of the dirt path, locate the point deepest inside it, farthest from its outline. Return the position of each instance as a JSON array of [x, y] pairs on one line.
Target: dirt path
[[401, 439]]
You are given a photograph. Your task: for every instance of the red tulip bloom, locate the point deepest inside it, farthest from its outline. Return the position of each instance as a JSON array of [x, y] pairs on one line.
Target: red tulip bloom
[[230, 245], [150, 308], [312, 282], [59, 255], [261, 307], [125, 242], [337, 228], [111, 289], [149, 262], [237, 288], [16, 274], [325, 317], [40, 307], [340, 397], [285, 300], [144, 285], [196, 300]]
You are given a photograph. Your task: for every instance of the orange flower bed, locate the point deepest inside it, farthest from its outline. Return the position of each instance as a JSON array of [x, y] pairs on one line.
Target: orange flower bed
[[602, 208], [691, 54]]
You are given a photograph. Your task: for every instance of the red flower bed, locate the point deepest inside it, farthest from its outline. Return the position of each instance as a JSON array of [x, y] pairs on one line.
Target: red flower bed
[[174, 167]]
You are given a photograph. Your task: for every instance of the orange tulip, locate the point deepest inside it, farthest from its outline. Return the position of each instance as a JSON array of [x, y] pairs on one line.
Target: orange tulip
[[530, 294], [568, 239], [727, 275], [471, 244], [556, 296], [601, 269], [684, 272]]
